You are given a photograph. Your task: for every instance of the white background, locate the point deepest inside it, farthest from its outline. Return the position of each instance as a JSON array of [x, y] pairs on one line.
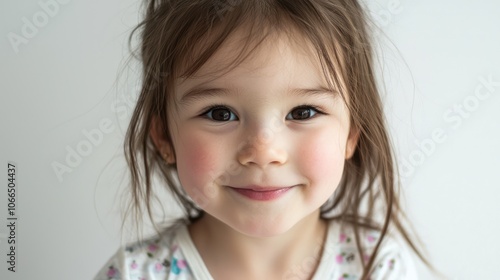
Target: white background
[[63, 81]]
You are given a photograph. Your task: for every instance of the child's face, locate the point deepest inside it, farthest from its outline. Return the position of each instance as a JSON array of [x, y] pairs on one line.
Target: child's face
[[266, 133]]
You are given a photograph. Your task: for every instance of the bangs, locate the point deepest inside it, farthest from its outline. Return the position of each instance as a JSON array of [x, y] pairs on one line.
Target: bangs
[[187, 45]]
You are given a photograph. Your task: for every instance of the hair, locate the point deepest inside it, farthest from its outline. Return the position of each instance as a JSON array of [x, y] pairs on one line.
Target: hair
[[179, 36]]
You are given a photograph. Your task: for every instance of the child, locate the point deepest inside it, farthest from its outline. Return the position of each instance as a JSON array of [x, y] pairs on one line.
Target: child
[[264, 119]]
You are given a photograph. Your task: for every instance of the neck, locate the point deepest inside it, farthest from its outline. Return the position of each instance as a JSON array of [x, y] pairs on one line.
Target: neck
[[296, 252]]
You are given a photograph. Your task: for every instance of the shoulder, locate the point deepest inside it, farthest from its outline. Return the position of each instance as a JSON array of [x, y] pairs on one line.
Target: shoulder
[[154, 258], [393, 260]]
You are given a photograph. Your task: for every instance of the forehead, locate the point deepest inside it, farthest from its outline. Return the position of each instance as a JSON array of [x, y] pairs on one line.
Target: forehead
[[279, 53]]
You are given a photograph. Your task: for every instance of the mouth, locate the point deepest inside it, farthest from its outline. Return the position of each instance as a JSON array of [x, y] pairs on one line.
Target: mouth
[[262, 193]]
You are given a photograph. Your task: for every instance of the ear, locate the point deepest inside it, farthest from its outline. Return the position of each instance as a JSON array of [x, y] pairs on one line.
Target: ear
[[352, 142], [163, 145]]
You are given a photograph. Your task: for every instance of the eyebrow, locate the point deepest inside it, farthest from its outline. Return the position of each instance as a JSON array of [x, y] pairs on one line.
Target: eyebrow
[[200, 93]]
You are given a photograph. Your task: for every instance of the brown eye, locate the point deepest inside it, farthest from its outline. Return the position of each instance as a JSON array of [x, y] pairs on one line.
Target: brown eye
[[302, 113], [220, 114]]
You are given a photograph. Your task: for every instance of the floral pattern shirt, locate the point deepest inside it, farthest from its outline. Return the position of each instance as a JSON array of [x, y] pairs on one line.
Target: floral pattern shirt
[[173, 256]]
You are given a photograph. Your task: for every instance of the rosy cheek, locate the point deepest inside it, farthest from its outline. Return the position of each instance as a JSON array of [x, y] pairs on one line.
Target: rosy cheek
[[196, 161], [320, 158]]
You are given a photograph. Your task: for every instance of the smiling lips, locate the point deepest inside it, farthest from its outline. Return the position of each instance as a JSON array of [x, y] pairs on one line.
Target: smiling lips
[[262, 193]]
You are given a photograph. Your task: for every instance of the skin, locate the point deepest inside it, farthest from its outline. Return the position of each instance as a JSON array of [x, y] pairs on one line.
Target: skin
[[262, 143]]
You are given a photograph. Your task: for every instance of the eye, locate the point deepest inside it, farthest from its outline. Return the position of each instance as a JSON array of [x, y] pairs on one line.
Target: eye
[[220, 114], [302, 113]]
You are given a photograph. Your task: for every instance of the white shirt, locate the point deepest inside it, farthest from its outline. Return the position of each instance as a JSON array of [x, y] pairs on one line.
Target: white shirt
[[173, 256]]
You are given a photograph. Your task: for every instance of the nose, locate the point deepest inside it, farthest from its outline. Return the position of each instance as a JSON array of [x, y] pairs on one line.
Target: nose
[[262, 150]]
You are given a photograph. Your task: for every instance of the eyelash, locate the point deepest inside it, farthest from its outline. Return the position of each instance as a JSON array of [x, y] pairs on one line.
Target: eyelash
[[207, 110], [309, 106], [213, 107]]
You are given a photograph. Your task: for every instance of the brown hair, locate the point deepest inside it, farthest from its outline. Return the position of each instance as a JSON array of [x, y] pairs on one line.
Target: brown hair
[[179, 36]]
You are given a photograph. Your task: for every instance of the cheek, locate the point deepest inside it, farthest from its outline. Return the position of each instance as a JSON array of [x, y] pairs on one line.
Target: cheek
[[321, 157], [196, 160]]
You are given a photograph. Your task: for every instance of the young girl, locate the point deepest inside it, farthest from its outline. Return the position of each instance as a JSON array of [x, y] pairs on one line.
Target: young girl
[[264, 120]]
